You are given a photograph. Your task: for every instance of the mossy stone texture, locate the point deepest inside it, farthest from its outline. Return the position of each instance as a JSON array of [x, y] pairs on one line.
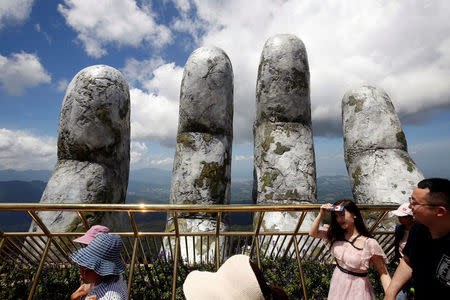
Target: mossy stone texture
[[202, 163], [93, 148], [284, 162], [375, 149]]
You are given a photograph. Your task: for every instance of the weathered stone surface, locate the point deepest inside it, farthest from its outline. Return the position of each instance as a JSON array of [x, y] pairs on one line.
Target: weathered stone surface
[[370, 121], [206, 97], [284, 149], [282, 88], [285, 171], [93, 148], [202, 163], [375, 149], [202, 167], [285, 167]]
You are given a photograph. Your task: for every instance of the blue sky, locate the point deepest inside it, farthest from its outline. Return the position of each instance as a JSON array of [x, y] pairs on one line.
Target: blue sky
[[400, 46]]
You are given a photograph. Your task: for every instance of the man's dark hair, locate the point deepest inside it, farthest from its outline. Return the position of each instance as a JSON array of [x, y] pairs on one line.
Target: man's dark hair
[[439, 190]]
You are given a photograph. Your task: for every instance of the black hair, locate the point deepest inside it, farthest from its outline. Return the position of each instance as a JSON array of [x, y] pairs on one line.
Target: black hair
[[439, 190], [336, 232], [269, 292]]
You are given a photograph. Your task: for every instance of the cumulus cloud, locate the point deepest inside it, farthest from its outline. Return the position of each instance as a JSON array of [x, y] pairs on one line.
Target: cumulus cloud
[[14, 11], [153, 117], [154, 107], [402, 47], [137, 72], [21, 71], [141, 157], [62, 85], [21, 150], [117, 22]]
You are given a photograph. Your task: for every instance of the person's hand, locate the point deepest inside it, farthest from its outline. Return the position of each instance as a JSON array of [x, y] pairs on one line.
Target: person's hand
[[325, 209], [93, 297], [82, 291]]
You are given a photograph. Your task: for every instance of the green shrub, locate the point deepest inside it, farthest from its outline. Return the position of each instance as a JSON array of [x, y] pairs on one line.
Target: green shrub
[[155, 280]]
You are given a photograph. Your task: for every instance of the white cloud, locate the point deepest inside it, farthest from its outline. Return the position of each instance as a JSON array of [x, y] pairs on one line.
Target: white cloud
[[153, 118], [140, 71], [21, 71], [182, 5], [37, 27], [62, 85], [14, 11], [21, 150], [243, 157], [154, 107], [141, 157], [400, 46], [118, 22]]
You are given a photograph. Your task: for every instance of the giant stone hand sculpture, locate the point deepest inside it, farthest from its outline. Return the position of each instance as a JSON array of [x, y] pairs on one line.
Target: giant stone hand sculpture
[[93, 149], [375, 149], [284, 163], [202, 163]]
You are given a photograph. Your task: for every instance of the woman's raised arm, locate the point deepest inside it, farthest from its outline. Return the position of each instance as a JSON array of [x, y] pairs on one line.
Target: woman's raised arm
[[314, 230]]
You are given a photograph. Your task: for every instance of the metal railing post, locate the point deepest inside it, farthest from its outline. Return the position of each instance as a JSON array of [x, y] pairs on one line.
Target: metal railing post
[[175, 259], [300, 268], [133, 260], [39, 270]]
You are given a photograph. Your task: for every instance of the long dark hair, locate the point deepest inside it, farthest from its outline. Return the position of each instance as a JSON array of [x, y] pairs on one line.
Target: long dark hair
[[269, 292], [336, 232]]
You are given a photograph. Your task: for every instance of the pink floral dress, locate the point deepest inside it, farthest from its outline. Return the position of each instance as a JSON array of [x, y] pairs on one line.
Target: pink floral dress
[[346, 286]]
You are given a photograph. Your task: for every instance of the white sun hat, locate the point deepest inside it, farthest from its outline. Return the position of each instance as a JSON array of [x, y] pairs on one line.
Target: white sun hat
[[403, 210], [235, 280]]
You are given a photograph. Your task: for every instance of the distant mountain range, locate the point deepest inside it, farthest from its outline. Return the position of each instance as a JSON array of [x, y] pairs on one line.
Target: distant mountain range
[[148, 185], [152, 185]]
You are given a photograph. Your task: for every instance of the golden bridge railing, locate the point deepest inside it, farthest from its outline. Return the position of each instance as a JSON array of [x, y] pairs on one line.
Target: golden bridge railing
[[53, 248]]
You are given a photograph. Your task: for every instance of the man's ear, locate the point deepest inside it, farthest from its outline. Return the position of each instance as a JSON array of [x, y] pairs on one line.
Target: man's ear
[[441, 211]]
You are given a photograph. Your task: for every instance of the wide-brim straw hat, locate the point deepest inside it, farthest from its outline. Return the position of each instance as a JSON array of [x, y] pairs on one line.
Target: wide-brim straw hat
[[235, 280], [102, 255], [91, 234], [403, 210]]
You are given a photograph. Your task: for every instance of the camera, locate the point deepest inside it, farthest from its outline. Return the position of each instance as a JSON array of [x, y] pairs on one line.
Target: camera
[[336, 208]]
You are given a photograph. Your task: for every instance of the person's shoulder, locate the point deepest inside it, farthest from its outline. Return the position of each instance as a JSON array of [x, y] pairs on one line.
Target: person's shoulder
[[419, 228], [399, 227], [371, 241]]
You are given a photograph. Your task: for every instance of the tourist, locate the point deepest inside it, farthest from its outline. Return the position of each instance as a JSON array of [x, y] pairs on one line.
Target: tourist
[[353, 249], [426, 256], [91, 234], [101, 269], [405, 218], [237, 279]]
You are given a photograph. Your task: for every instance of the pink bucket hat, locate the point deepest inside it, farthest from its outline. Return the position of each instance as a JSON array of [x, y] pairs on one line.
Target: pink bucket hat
[[235, 280], [91, 234], [403, 210]]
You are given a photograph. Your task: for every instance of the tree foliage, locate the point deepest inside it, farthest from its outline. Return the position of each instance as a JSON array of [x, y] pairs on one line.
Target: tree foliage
[[155, 280]]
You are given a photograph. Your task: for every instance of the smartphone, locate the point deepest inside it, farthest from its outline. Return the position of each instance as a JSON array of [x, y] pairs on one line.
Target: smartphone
[[336, 208]]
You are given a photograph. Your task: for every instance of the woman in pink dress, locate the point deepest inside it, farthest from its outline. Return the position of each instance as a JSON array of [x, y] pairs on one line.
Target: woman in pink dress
[[353, 249]]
